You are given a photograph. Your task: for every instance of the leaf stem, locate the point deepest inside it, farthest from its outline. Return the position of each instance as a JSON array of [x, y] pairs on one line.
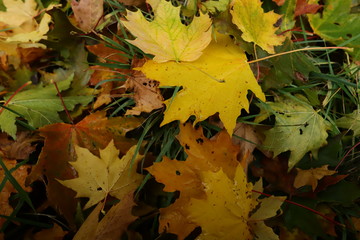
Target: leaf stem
[[63, 103], [296, 50], [14, 94], [305, 207]]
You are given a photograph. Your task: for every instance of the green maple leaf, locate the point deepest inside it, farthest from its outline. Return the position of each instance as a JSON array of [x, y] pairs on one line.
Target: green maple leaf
[[39, 106], [338, 25], [298, 128], [350, 121]]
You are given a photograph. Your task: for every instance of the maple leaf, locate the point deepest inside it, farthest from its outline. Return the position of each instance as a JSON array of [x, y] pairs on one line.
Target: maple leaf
[[184, 176], [298, 128], [18, 149], [112, 225], [87, 13], [166, 37], [230, 203], [39, 106], [350, 121], [337, 25], [98, 177], [94, 132], [221, 75], [311, 176], [216, 6], [257, 26]]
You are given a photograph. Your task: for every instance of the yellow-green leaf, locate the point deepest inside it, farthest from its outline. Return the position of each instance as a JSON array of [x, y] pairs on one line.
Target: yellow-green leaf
[[257, 26], [166, 37], [218, 81]]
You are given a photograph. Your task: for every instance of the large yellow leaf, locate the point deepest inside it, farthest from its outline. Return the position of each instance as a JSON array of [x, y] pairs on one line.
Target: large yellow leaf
[[225, 212], [166, 37], [108, 174], [257, 26], [217, 82]]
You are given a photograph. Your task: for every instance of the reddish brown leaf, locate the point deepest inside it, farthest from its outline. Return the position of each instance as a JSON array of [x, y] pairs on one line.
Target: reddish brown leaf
[[275, 171], [93, 132], [302, 7], [19, 149]]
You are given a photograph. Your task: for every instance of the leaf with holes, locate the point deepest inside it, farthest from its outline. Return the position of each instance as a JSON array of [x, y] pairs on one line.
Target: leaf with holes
[[298, 128]]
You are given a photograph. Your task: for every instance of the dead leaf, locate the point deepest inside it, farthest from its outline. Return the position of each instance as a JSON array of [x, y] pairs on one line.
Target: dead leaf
[[54, 233], [311, 176], [106, 54], [18, 149], [303, 7], [246, 137], [112, 226], [20, 175], [94, 132], [275, 171], [146, 91], [87, 13], [28, 55]]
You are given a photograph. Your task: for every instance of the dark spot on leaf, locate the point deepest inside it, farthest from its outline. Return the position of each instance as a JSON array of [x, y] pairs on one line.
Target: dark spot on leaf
[[306, 124], [187, 147], [199, 140], [99, 189], [178, 172], [301, 131]]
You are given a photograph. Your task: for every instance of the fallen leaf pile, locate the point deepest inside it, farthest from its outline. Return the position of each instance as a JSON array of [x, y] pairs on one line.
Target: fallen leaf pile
[[157, 119]]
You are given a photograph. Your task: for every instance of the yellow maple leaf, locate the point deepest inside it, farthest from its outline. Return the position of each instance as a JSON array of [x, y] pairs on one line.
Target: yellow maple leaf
[[311, 176], [166, 37], [257, 26], [216, 82], [108, 174], [225, 213]]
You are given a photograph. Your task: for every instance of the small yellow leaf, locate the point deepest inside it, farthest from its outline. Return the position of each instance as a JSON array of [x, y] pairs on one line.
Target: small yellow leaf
[[218, 81], [99, 177], [166, 37], [311, 176], [257, 26]]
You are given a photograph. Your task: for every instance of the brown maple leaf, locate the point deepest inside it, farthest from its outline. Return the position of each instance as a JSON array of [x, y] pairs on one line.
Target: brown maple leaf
[[302, 7]]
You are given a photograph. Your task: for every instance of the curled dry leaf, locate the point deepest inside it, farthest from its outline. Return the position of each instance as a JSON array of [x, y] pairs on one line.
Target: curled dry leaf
[[311, 176], [106, 54], [20, 148], [20, 175], [146, 92]]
